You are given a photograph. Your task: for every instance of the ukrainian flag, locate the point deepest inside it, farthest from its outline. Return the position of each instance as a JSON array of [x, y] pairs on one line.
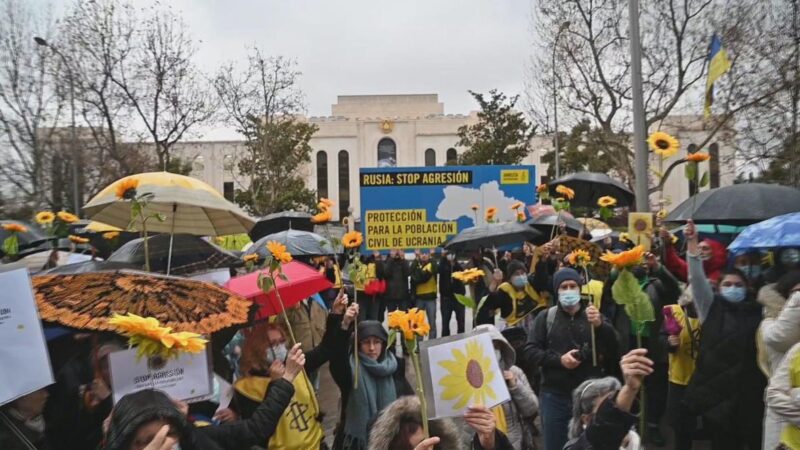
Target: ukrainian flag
[[718, 64]]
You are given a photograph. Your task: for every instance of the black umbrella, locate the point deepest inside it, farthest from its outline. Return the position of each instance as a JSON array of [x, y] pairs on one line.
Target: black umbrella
[[545, 224], [740, 204], [298, 243], [105, 247], [33, 237], [590, 186], [190, 254], [492, 236], [91, 266], [281, 221]]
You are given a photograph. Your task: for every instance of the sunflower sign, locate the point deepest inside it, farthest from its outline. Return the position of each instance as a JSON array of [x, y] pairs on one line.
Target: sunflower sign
[[461, 371], [640, 229]]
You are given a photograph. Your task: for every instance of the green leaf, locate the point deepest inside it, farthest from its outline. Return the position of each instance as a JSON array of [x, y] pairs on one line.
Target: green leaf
[[704, 180], [465, 300], [265, 283], [691, 170], [392, 338], [283, 276], [627, 292], [11, 245]]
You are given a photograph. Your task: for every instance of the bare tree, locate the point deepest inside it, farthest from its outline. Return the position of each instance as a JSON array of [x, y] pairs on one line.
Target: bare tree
[[29, 104]]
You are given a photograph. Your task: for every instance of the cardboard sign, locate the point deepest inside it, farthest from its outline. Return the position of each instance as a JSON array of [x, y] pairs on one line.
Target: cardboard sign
[[187, 377], [25, 365], [640, 229], [461, 371]]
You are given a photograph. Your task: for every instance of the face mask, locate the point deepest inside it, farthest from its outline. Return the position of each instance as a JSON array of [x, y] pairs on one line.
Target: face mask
[[733, 294], [569, 298], [751, 271], [277, 353], [519, 281]]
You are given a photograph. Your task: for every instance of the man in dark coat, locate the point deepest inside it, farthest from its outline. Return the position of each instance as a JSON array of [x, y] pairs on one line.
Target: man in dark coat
[[395, 270], [448, 287]]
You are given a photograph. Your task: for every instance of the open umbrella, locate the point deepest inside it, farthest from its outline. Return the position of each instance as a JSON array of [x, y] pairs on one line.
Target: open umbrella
[[545, 224], [301, 282], [781, 231], [564, 245], [281, 221], [590, 186], [105, 238], [298, 243], [189, 205], [190, 254], [90, 266], [88, 300], [33, 237], [592, 224], [739, 204], [492, 236]]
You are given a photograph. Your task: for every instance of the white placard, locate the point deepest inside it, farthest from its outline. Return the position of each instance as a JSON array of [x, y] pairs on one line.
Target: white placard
[[186, 377], [461, 371], [24, 362]]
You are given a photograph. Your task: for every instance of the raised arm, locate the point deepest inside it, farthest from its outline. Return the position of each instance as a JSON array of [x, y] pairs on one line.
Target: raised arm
[[701, 288]]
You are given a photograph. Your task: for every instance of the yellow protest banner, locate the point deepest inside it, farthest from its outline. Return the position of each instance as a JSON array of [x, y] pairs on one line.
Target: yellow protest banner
[[405, 228]]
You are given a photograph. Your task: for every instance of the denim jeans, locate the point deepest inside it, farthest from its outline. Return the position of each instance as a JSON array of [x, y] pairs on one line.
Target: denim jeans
[[429, 306], [556, 410]]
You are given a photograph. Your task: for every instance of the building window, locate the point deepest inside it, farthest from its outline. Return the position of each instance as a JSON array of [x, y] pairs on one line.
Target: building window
[[387, 153], [322, 174], [198, 165], [344, 183], [430, 157], [227, 190], [227, 163], [452, 157]]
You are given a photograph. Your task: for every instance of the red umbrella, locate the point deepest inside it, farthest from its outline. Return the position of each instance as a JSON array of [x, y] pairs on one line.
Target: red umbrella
[[302, 282]]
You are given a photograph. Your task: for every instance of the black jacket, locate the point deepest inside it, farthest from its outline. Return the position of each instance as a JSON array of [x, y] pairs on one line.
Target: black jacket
[[727, 386], [544, 349], [606, 431], [447, 285], [14, 435], [420, 276], [396, 273]]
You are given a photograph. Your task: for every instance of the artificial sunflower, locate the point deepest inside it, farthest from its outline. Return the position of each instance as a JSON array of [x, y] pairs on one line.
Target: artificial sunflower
[[110, 235], [469, 275], [606, 201], [568, 193], [77, 239], [45, 217], [132, 325], [474, 207], [352, 239], [491, 213], [325, 203], [579, 258], [469, 377], [418, 322], [661, 214], [15, 228], [322, 217], [251, 258], [632, 257], [187, 342], [126, 189], [279, 252], [624, 237], [541, 188], [399, 320], [517, 205], [67, 217], [698, 157], [663, 144]]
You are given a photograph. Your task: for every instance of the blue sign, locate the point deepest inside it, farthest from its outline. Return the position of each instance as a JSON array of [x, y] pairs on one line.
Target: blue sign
[[420, 207]]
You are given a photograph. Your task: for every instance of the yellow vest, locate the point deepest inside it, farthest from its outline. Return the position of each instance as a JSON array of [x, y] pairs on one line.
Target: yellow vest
[[428, 287], [298, 428], [519, 307], [367, 274], [682, 361], [337, 275], [790, 436], [595, 289]]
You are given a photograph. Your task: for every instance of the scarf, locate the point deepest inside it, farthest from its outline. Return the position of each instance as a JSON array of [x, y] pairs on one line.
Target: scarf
[[376, 390]]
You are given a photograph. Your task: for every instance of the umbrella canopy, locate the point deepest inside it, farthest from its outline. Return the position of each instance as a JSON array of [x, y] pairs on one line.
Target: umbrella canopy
[[189, 205], [301, 282], [739, 204], [590, 186], [542, 210], [105, 238], [298, 243], [781, 231], [592, 224], [90, 266], [281, 221], [28, 239], [545, 224], [190, 254], [492, 235], [88, 300]]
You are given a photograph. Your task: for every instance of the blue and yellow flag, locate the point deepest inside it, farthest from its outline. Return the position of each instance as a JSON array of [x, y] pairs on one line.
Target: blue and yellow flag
[[718, 64]]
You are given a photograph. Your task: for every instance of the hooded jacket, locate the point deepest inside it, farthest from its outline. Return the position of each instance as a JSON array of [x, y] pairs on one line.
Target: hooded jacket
[[713, 266]]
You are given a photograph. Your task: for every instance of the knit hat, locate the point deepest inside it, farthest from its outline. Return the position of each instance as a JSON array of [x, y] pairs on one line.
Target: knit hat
[[564, 275], [515, 266], [372, 328], [136, 409]]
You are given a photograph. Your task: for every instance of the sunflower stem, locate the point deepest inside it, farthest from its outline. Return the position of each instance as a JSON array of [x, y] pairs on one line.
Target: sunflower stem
[[355, 342], [642, 395], [421, 393]]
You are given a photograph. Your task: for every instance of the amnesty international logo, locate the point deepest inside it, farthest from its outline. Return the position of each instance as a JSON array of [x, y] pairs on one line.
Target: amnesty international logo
[[387, 126]]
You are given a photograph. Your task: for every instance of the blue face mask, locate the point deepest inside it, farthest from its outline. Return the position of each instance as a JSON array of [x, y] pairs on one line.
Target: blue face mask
[[734, 294], [569, 298], [519, 281]]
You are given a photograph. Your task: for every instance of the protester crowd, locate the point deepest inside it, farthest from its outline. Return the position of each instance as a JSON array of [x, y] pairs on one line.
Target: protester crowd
[[721, 362]]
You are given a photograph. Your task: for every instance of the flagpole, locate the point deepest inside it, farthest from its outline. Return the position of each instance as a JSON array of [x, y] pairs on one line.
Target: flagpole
[[639, 132]]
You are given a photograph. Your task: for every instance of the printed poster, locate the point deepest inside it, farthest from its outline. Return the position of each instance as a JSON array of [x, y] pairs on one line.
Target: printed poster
[[187, 377], [461, 371], [25, 365], [640, 229]]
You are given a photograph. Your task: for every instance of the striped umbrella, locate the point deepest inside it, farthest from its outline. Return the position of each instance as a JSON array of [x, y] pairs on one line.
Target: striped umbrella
[[189, 205]]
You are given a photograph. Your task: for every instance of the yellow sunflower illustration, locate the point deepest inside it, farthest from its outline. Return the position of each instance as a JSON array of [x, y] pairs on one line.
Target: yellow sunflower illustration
[[469, 377]]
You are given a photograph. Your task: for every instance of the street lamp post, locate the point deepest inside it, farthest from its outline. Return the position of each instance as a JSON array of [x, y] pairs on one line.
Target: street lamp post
[[76, 203], [563, 27], [639, 132]]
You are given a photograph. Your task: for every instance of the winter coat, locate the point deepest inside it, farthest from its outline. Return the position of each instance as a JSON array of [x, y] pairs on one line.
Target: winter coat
[[387, 426], [606, 431], [447, 285], [545, 348], [782, 398], [14, 435], [712, 266], [727, 387], [308, 322], [396, 273], [423, 275]]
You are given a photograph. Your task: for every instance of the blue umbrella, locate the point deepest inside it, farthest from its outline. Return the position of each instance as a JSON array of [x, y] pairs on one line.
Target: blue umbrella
[[779, 231]]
